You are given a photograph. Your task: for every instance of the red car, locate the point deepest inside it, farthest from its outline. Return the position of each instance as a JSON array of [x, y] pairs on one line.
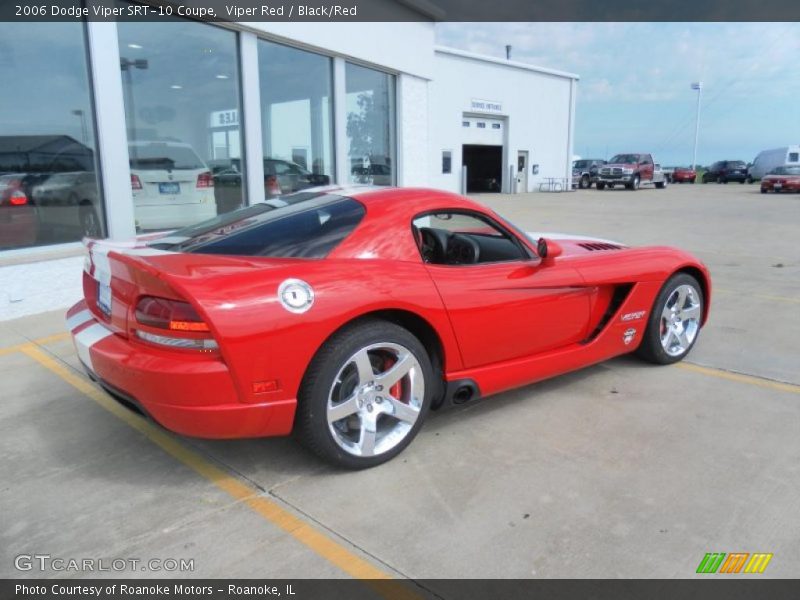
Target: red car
[[346, 315], [19, 225], [781, 179], [684, 175]]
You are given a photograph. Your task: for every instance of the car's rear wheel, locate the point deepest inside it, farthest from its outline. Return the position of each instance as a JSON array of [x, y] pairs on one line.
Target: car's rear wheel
[[365, 395], [601, 186], [674, 322]]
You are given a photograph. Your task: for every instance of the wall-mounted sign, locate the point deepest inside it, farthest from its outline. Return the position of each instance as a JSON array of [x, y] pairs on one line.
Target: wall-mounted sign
[[224, 118], [491, 106]]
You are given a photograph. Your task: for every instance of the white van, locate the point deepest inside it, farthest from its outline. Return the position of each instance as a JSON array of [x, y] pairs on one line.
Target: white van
[[769, 159], [172, 186]]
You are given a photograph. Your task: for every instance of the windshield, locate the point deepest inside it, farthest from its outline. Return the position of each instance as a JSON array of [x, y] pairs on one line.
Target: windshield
[[301, 225], [581, 164], [736, 164], [157, 156], [785, 171], [625, 158]]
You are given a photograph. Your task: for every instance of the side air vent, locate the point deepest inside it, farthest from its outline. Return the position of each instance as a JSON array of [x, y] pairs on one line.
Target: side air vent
[[599, 246]]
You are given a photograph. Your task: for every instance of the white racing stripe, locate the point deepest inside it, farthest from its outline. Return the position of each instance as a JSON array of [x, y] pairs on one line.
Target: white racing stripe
[[88, 338], [78, 319]]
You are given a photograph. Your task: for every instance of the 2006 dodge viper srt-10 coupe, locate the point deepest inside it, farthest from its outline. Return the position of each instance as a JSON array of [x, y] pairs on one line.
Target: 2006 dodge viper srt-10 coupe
[[345, 315]]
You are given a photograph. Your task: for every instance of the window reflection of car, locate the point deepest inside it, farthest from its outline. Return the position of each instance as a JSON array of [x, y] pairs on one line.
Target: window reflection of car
[[283, 177], [69, 201], [171, 184], [374, 174], [18, 221]]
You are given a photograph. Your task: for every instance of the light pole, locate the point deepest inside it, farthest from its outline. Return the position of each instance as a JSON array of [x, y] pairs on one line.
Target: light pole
[[697, 85]]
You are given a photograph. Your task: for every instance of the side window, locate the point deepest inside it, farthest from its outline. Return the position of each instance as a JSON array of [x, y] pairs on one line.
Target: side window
[[461, 238], [794, 157]]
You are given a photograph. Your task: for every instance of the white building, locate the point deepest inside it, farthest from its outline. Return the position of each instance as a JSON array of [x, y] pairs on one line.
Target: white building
[[120, 119]]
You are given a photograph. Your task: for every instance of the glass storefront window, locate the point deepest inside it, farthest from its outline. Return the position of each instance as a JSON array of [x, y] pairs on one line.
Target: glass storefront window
[[49, 191], [296, 118], [182, 95], [370, 125]]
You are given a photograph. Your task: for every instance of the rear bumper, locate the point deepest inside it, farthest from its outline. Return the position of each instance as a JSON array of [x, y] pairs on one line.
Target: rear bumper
[[190, 395]]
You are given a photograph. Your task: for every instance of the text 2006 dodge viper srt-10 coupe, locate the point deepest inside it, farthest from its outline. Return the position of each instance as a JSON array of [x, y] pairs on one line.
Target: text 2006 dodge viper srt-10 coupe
[[345, 315]]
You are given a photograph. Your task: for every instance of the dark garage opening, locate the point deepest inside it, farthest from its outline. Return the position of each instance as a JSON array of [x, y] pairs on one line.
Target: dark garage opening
[[484, 167]]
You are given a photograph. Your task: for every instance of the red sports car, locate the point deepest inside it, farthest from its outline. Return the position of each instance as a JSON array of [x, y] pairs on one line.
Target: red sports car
[[345, 315], [781, 179], [684, 175]]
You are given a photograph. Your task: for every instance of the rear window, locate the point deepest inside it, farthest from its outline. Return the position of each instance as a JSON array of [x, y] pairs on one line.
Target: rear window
[[163, 157], [302, 225]]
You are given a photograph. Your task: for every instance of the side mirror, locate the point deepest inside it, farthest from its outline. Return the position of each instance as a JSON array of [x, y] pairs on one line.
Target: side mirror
[[548, 250]]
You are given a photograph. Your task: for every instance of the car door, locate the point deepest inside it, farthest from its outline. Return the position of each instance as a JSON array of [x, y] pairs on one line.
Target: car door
[[509, 305], [646, 167]]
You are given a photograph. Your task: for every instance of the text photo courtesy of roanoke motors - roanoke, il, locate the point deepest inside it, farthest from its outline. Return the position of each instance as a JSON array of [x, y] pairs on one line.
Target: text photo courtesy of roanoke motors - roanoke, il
[[399, 299]]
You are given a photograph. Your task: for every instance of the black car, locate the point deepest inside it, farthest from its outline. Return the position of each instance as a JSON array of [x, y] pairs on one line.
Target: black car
[[724, 171], [584, 172]]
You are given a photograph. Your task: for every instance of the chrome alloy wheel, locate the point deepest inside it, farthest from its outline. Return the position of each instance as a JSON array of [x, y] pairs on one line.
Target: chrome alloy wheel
[[680, 320], [375, 399]]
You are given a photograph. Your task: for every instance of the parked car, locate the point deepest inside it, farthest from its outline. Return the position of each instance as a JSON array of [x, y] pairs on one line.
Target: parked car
[[69, 201], [684, 175], [781, 179], [724, 171], [172, 186], [584, 172], [406, 300], [19, 224], [630, 170], [767, 160]]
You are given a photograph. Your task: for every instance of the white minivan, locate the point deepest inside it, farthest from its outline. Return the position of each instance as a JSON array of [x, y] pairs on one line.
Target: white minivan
[[172, 186], [769, 159]]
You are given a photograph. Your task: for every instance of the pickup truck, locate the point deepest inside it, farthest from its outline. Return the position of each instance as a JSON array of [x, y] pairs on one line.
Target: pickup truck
[[631, 171]]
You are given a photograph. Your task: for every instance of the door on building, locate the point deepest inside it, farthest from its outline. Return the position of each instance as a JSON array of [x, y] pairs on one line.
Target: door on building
[[482, 153], [522, 171]]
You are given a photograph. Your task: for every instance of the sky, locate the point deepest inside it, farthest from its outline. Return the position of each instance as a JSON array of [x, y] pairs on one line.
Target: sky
[[634, 92]]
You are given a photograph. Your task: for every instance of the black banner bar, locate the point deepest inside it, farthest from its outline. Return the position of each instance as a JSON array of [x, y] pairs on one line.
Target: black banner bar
[[711, 588], [339, 11]]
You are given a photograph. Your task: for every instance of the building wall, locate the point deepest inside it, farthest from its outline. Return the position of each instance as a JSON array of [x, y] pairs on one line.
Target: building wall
[[537, 109], [413, 131]]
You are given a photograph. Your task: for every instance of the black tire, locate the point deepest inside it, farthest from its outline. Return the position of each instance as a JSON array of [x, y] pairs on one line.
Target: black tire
[[749, 179], [706, 179], [634, 184], [763, 190], [584, 182], [311, 422], [601, 186], [650, 348]]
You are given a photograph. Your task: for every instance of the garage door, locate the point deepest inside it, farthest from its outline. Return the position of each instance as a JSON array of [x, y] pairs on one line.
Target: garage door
[[480, 130]]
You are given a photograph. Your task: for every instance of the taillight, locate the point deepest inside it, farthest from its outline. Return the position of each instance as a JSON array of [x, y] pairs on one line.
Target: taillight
[[136, 183], [205, 180], [18, 198], [271, 186], [174, 317]]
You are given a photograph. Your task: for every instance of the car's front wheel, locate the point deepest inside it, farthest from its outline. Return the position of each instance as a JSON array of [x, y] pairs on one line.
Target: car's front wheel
[[365, 395], [674, 322]]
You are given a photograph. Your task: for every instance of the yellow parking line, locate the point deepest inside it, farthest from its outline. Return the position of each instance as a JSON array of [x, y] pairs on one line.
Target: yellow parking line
[[741, 378], [305, 533], [56, 337]]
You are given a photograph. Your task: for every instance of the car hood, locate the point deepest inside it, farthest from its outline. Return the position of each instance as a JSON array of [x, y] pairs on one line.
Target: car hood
[[573, 244], [619, 166]]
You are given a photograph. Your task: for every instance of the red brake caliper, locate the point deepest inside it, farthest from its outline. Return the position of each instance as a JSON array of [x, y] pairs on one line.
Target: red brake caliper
[[397, 389]]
